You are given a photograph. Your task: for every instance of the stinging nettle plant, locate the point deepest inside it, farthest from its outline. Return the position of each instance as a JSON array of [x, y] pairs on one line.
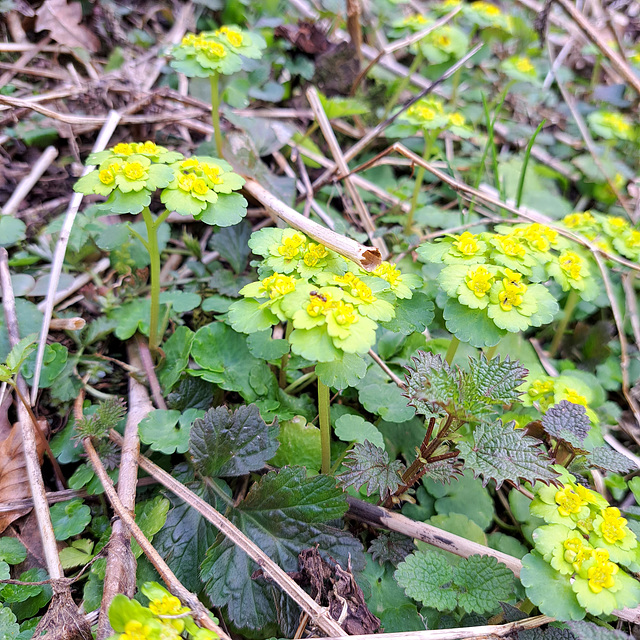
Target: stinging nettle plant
[[131, 173]]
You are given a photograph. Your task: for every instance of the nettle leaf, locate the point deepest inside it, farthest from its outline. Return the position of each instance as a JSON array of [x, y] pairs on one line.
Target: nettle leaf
[[500, 452], [476, 584], [567, 422], [495, 380], [370, 465], [391, 547], [431, 383], [590, 631], [69, 518], [232, 443], [284, 513], [608, 459]]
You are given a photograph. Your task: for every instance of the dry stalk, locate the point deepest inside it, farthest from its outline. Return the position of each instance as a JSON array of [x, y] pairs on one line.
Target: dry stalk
[[366, 257], [363, 213], [271, 570], [199, 612]]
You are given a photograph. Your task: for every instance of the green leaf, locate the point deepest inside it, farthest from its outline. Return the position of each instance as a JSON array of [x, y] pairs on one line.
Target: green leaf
[[431, 383], [496, 380], [69, 518], [370, 465], [352, 428], [122, 609], [176, 350], [131, 317], [167, 431], [461, 525], [427, 577], [186, 535], [232, 245], [589, 631], [549, 590], [229, 209], [283, 514], [263, 346], [567, 422], [55, 360], [470, 325], [391, 547], [299, 444], [27, 600], [29, 321], [608, 459], [12, 231], [9, 628], [228, 444], [500, 452], [249, 316], [468, 497], [12, 551], [343, 373], [412, 314], [387, 401], [76, 555], [482, 583], [20, 352], [150, 517], [180, 301]]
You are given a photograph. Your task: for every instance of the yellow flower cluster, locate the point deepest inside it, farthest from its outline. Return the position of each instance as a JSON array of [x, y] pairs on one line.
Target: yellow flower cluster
[[426, 110], [388, 272], [210, 48], [234, 38], [291, 246], [568, 501], [467, 244], [278, 285], [131, 148], [571, 264], [479, 280], [314, 253], [613, 525], [512, 290], [524, 65], [355, 287], [616, 122], [600, 575]]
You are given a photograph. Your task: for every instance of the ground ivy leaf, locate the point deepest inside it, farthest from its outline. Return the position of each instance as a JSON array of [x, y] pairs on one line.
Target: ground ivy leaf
[[500, 452], [262, 345], [608, 459], [427, 577], [468, 497], [549, 590], [232, 443], [176, 350], [69, 518], [352, 428], [180, 301], [387, 401], [283, 513], [412, 314], [482, 582], [370, 465], [568, 422]]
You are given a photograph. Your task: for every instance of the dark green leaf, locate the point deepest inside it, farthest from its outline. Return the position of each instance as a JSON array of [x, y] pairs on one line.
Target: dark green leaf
[[500, 452], [412, 314], [12, 551], [608, 459], [496, 380], [391, 547], [568, 422], [225, 443], [370, 465], [232, 245], [471, 325], [589, 631], [176, 351], [9, 628], [167, 431], [431, 383]]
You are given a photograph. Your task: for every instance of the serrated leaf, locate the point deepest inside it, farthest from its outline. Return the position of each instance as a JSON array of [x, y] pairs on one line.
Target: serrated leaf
[[391, 547], [283, 513], [232, 443], [567, 422], [443, 471], [370, 465], [583, 630], [431, 384], [427, 577], [608, 459], [500, 452], [496, 380], [9, 628], [482, 582]]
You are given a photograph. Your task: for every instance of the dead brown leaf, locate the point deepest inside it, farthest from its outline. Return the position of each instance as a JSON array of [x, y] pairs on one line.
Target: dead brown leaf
[[63, 20], [14, 484]]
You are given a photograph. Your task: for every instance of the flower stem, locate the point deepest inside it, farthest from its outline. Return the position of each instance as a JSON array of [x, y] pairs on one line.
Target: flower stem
[[404, 83], [282, 375], [154, 257], [215, 111], [569, 308], [451, 351], [429, 138], [325, 425], [491, 352]]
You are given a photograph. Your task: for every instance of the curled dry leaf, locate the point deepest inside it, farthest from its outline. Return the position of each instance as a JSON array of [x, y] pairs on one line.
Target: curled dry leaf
[[63, 21], [14, 484]]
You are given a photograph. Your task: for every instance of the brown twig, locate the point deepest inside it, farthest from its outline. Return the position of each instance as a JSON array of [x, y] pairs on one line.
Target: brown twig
[[147, 365], [271, 570]]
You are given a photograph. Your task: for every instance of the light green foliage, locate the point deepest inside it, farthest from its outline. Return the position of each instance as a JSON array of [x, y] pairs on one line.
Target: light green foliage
[[476, 584], [150, 517], [9, 628], [12, 551], [168, 431], [69, 518], [299, 444], [351, 428]]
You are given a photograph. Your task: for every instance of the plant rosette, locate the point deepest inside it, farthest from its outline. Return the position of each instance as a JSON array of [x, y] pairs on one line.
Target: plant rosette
[[443, 44], [467, 248], [512, 251], [219, 51], [584, 223], [571, 270], [204, 187], [628, 244], [611, 125], [486, 15], [540, 238]]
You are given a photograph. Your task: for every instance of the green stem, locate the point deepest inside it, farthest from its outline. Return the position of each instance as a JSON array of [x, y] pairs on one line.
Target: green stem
[[404, 83], [324, 399], [429, 138], [451, 351], [282, 376], [302, 381], [491, 352], [215, 111], [523, 171], [154, 278], [569, 308]]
